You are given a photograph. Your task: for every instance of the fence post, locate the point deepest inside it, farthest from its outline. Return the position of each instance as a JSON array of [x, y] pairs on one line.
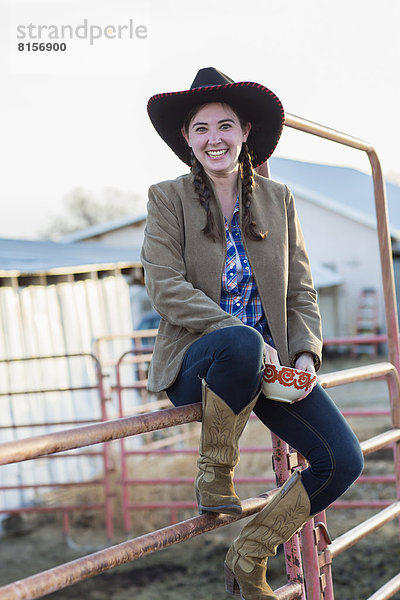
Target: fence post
[[108, 495], [293, 559]]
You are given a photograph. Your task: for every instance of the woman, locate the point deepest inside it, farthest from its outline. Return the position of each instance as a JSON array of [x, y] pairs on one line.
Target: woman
[[226, 268]]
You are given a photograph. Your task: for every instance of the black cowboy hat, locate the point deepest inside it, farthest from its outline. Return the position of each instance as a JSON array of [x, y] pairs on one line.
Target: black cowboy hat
[[254, 103]]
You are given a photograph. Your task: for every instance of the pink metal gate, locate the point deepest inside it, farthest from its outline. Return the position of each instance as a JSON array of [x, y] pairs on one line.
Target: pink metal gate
[[102, 480]]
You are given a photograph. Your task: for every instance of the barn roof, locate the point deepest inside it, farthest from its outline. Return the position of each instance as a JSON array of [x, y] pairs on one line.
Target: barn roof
[[33, 257], [96, 230]]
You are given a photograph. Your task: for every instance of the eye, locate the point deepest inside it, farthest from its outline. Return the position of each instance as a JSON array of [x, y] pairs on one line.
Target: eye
[[226, 126], [200, 129]]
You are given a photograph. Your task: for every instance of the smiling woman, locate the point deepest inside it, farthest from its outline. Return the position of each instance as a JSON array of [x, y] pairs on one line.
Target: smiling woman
[[216, 136], [227, 270]]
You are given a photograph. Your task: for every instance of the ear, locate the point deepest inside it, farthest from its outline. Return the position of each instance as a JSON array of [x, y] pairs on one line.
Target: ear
[[183, 132], [246, 131]]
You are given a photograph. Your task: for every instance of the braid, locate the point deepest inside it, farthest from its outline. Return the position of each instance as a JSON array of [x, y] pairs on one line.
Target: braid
[[248, 183], [203, 191]]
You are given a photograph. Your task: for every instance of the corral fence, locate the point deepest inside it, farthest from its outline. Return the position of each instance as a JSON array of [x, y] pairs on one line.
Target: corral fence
[[109, 472], [65, 390], [308, 555]]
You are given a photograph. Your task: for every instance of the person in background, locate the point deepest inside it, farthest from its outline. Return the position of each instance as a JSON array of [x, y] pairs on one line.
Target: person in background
[[226, 268]]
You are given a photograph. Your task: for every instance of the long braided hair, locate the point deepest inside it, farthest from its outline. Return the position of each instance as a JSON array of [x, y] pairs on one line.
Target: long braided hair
[[203, 191]]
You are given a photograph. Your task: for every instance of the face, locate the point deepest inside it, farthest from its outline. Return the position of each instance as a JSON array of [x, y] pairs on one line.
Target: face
[[215, 135]]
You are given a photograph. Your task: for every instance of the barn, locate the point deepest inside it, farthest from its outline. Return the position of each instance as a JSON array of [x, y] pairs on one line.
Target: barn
[[56, 300]]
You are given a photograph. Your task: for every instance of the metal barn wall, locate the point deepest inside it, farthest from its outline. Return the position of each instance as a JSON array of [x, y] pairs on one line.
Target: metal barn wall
[[48, 316]]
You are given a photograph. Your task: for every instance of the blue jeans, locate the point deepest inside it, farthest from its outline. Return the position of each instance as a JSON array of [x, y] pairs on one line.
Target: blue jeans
[[231, 361]]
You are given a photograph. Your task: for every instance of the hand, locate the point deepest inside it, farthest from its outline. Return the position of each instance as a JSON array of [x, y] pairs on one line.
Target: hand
[[270, 355], [305, 362]]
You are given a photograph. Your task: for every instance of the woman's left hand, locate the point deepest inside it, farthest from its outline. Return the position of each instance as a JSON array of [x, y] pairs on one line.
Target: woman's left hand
[[305, 362]]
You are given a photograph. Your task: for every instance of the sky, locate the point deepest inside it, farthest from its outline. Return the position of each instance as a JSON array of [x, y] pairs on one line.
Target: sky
[[77, 118]]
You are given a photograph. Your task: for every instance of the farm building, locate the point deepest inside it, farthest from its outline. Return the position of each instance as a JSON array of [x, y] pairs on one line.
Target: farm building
[[127, 231], [337, 212], [56, 300]]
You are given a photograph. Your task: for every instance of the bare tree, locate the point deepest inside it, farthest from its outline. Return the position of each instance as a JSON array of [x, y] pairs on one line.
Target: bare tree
[[83, 209]]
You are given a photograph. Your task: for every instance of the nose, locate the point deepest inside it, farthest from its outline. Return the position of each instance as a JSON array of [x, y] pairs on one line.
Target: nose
[[214, 137]]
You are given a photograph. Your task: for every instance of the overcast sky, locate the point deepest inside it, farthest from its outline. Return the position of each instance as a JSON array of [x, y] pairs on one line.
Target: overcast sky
[[78, 118]]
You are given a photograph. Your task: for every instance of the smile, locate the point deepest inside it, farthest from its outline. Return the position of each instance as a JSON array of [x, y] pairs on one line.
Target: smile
[[216, 153]]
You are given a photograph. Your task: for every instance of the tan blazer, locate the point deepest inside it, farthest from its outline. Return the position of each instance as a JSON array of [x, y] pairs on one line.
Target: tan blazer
[[183, 272]]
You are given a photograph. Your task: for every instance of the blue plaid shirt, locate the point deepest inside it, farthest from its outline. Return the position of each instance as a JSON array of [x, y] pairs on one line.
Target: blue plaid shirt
[[239, 295]]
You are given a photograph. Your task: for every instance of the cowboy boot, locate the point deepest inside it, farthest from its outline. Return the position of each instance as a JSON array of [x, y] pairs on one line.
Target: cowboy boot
[[219, 454], [246, 560]]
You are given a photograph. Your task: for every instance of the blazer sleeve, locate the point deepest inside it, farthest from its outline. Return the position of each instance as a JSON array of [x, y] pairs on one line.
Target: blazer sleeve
[[303, 317], [175, 299]]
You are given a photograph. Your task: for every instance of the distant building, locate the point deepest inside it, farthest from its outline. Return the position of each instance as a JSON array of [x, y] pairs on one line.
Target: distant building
[[337, 212], [55, 301], [127, 231], [26, 266]]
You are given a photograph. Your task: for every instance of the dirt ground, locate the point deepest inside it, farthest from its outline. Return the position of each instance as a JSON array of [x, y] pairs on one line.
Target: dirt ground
[[193, 569]]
